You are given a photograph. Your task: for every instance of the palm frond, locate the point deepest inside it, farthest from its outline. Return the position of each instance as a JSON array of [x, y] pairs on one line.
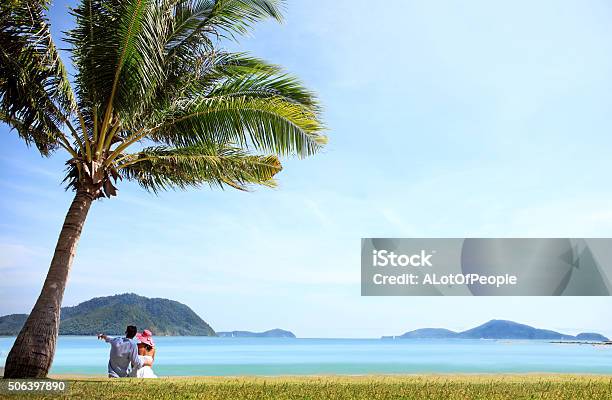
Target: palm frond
[[270, 124], [236, 17], [144, 46], [224, 74], [163, 168], [199, 20], [34, 89], [117, 48], [264, 84]]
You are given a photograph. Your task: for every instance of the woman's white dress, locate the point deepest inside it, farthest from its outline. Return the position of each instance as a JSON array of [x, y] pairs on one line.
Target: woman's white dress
[[146, 371]]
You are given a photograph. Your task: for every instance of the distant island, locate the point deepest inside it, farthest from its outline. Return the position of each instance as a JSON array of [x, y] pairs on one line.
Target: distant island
[[498, 329], [273, 333], [112, 314]]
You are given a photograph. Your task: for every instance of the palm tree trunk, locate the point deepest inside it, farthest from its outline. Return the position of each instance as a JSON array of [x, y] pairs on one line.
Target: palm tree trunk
[[34, 348]]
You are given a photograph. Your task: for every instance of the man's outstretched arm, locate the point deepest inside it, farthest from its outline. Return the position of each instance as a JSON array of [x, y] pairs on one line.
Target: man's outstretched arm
[[104, 337]]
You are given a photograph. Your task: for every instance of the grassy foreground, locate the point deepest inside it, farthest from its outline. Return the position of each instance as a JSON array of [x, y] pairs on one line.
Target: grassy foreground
[[340, 387]]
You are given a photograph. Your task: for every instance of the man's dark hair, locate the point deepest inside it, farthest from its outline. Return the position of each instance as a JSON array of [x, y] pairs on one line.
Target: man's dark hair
[[130, 331]]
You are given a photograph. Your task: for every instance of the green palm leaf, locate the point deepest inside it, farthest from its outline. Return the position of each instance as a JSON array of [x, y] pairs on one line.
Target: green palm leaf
[[271, 124], [114, 49], [199, 20], [163, 168], [35, 94], [264, 84]]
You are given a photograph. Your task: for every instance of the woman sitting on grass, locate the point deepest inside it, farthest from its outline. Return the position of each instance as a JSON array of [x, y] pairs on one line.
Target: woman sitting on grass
[[146, 352]]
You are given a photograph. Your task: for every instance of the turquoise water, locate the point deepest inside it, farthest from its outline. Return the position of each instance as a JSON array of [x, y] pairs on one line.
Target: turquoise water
[[263, 356]]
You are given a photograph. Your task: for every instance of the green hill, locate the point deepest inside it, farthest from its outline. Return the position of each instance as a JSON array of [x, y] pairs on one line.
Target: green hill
[[500, 329], [112, 314]]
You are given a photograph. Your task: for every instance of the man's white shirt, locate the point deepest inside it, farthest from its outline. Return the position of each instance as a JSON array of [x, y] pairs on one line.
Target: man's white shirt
[[123, 352]]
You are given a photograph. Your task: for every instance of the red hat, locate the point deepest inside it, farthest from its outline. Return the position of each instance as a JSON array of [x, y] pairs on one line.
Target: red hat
[[145, 337]]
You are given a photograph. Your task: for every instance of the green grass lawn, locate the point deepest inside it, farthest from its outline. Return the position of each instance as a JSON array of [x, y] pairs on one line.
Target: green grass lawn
[[331, 387]]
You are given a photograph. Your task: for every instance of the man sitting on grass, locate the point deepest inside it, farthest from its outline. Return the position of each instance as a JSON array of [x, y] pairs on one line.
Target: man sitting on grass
[[124, 352]]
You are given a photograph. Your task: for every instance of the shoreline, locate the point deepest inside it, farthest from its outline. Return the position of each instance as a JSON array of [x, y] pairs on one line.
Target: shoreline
[[607, 343]]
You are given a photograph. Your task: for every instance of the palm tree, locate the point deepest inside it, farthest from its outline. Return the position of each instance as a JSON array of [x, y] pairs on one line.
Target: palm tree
[[155, 100]]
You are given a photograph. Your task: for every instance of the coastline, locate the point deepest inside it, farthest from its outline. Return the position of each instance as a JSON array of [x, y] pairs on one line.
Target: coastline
[[606, 343]]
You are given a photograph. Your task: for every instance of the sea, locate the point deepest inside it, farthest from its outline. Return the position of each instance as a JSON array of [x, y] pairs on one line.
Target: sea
[[192, 356]]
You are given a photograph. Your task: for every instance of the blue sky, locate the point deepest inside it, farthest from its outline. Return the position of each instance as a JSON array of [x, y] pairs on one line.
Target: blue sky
[[445, 119]]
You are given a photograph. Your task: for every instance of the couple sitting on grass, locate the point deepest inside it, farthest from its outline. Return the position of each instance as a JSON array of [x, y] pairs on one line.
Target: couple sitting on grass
[[124, 352]]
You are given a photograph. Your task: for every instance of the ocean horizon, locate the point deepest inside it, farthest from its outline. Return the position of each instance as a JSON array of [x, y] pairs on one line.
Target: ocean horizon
[[214, 356]]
